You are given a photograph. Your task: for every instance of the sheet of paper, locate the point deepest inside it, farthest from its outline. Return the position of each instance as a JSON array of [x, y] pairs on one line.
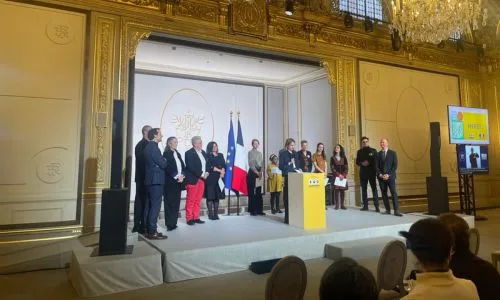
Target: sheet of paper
[[221, 185], [276, 170], [258, 182], [340, 182]]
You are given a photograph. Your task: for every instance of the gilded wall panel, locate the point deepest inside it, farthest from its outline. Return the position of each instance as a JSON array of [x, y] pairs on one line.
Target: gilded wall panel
[[399, 104], [150, 4], [249, 18], [198, 9], [41, 92]]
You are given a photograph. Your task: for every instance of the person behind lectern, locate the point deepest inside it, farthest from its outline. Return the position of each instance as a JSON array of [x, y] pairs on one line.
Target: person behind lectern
[[288, 163], [387, 165], [365, 159], [154, 181], [305, 157], [141, 193]]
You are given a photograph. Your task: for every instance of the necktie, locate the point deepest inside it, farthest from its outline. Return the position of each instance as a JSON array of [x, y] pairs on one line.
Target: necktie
[[383, 155]]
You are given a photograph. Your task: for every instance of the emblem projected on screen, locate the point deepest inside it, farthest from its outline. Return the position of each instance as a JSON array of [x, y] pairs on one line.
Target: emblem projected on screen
[[468, 125], [187, 126]]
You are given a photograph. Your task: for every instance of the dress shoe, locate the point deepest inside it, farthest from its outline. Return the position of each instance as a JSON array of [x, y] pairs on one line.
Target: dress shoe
[[262, 214], [279, 211], [387, 212], [273, 211], [198, 221], [171, 228], [377, 209], [398, 214], [343, 207], [190, 222], [364, 208], [216, 217], [156, 236]]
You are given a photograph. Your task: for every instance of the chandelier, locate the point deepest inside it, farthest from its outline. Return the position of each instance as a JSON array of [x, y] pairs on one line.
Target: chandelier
[[434, 21]]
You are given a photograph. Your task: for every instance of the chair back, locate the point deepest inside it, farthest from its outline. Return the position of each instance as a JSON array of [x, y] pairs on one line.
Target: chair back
[[288, 280], [392, 266], [474, 240]]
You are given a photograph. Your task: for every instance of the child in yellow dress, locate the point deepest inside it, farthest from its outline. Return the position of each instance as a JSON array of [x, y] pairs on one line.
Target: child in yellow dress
[[274, 183]]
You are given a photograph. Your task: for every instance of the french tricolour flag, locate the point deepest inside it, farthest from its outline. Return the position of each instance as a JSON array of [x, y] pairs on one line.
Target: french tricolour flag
[[239, 169]]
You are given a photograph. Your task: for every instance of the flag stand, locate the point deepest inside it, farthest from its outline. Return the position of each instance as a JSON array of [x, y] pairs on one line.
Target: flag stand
[[229, 203], [237, 204]]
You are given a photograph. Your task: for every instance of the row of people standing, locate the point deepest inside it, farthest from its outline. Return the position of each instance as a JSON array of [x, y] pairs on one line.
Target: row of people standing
[[165, 176]]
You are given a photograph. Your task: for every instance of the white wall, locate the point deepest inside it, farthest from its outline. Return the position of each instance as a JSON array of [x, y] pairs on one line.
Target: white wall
[[188, 107], [317, 117], [275, 120]]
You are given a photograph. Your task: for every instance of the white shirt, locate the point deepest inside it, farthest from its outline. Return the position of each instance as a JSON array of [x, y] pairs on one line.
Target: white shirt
[[202, 159], [178, 164], [442, 285]]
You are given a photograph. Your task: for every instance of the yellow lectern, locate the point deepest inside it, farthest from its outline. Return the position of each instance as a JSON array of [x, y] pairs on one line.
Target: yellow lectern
[[306, 200]]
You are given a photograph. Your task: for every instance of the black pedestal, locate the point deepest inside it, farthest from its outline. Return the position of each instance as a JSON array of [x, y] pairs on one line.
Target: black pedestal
[[114, 219], [437, 195]]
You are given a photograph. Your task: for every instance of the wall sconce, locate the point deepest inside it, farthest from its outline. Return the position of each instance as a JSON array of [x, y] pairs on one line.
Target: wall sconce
[[348, 21], [368, 25]]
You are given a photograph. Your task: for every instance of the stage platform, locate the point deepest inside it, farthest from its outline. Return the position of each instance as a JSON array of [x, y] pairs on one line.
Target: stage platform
[[232, 243]]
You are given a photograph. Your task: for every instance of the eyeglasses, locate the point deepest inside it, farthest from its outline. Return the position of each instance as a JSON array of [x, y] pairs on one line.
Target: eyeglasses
[[364, 142]]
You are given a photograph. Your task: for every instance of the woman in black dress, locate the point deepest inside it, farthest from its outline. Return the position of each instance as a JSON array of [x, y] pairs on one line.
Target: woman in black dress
[[212, 190], [339, 167]]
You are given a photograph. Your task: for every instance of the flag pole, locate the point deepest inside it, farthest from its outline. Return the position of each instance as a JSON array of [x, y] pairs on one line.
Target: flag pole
[[229, 190], [238, 194]]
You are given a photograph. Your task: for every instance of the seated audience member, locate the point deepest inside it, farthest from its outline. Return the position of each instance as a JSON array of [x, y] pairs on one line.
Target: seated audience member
[[465, 264], [345, 279], [431, 242]]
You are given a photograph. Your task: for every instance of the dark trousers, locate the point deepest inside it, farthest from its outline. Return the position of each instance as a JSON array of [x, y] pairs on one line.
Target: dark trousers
[[285, 197], [275, 201], [364, 189], [153, 207], [255, 201], [171, 204], [141, 195], [391, 186]]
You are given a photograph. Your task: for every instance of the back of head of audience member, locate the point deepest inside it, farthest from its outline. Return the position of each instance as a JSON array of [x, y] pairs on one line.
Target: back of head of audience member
[[431, 242], [345, 279], [460, 230]]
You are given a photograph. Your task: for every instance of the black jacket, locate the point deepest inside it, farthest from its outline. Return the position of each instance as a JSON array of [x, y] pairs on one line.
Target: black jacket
[[171, 170], [369, 154], [285, 164], [389, 165], [193, 166], [140, 164], [305, 163]]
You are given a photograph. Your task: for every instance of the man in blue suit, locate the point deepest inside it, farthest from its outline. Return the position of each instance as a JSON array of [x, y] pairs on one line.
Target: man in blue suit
[[386, 167], [154, 181]]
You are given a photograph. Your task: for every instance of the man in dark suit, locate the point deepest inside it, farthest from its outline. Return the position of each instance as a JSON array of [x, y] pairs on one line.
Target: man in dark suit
[[387, 165], [174, 183], [140, 189], [473, 158], [197, 167], [154, 181], [288, 162], [366, 159]]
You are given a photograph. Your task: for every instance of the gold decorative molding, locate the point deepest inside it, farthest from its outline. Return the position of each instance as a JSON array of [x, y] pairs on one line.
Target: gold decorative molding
[[249, 18], [151, 4], [198, 9], [352, 120], [312, 30], [341, 97], [103, 90], [134, 39], [331, 71], [282, 27]]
